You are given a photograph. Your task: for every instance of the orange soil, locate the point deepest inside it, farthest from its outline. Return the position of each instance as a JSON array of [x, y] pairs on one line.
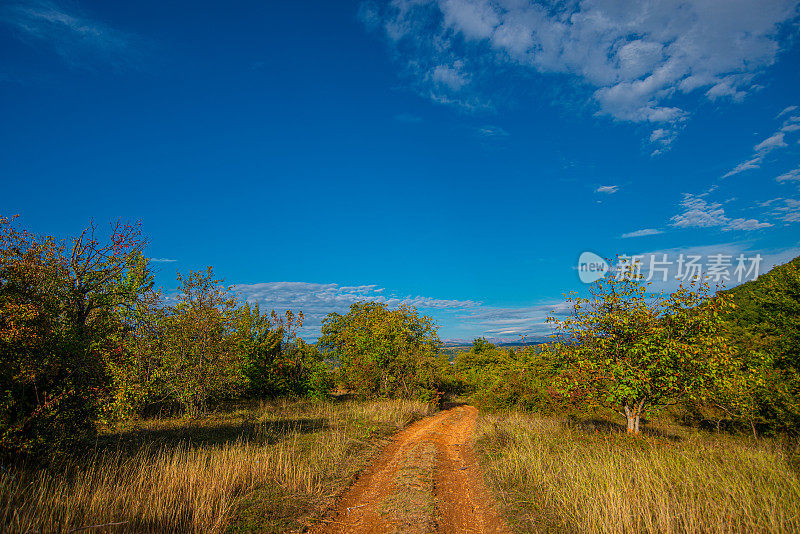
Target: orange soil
[[462, 502]]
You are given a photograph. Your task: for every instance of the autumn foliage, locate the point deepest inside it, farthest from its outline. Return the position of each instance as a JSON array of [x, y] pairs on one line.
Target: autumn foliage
[[86, 340]]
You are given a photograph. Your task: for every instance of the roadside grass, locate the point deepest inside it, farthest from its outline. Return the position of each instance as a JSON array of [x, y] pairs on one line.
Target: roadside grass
[[555, 477], [265, 467]]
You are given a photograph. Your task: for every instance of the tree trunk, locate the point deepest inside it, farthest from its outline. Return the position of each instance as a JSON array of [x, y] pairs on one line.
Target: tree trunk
[[633, 414]]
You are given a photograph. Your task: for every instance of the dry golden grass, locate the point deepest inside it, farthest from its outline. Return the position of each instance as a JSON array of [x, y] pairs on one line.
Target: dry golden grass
[[255, 468], [552, 477]]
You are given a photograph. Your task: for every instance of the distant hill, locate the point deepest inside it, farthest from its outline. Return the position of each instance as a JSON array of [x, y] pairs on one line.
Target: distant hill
[[455, 346], [749, 296]]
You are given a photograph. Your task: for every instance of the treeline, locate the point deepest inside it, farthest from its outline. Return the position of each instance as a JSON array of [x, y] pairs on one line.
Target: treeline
[[727, 360], [87, 340]]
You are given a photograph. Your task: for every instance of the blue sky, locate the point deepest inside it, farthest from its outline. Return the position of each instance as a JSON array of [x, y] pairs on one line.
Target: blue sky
[[458, 155]]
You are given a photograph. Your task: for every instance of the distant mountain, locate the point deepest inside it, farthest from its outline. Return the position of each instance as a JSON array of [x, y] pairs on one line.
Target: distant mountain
[[467, 343]]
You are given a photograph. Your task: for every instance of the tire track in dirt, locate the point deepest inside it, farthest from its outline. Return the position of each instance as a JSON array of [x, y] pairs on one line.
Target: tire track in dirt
[[462, 502]]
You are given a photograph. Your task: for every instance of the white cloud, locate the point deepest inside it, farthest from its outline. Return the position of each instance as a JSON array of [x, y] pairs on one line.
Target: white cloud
[[76, 37], [608, 189], [794, 174], [636, 57], [318, 300], [771, 143], [753, 163], [786, 110], [162, 260], [643, 232], [775, 141], [658, 134], [746, 224], [491, 132], [698, 213], [507, 323], [449, 76], [789, 212]]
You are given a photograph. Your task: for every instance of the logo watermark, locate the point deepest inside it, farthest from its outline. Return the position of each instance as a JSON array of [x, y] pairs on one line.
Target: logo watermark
[[591, 267], [665, 267]]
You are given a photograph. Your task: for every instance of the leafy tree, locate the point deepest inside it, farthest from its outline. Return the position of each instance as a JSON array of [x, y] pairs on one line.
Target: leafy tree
[[136, 370], [632, 351], [260, 345], [276, 361], [200, 348], [60, 306], [481, 345], [384, 352]]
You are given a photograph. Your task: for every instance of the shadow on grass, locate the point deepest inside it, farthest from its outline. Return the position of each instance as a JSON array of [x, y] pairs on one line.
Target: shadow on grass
[[612, 427], [209, 432]]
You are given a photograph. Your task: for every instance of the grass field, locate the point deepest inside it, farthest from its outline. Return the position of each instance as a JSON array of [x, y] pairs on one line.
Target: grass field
[[554, 477], [263, 468], [272, 467]]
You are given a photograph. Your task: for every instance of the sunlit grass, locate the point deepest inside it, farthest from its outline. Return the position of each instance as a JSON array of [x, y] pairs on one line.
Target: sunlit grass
[[554, 477], [256, 468]]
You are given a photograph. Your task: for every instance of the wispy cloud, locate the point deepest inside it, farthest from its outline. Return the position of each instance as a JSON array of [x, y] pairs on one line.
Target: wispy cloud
[[76, 37], [635, 58], [317, 300], [699, 213], [792, 175], [788, 210], [491, 132], [162, 260], [608, 189], [643, 232], [773, 142], [753, 163], [508, 323]]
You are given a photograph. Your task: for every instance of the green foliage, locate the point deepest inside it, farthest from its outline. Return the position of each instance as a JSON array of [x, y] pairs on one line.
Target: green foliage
[[60, 319], [631, 351], [382, 352], [260, 345], [521, 378], [200, 356], [276, 361], [137, 375], [206, 348], [765, 326]]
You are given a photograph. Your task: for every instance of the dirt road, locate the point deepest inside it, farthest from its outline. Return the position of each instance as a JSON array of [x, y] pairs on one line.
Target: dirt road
[[426, 480]]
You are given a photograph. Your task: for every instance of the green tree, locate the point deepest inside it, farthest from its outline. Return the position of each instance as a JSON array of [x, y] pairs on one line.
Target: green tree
[[384, 352], [276, 360], [633, 351], [136, 370], [200, 348], [260, 344], [61, 308]]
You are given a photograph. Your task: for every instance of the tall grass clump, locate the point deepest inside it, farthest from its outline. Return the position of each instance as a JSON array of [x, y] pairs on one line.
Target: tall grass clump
[[252, 469], [554, 477]]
